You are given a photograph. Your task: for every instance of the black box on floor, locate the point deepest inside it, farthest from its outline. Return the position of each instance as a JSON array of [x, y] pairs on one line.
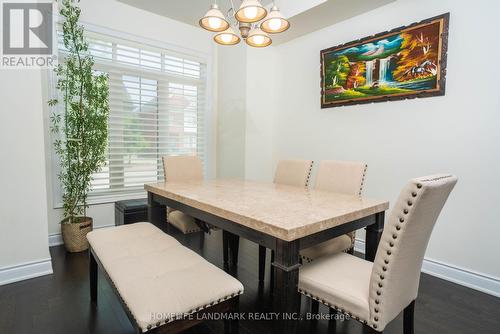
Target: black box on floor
[[131, 211]]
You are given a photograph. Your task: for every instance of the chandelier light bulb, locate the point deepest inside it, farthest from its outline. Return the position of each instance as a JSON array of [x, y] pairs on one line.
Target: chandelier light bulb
[[214, 22], [226, 38], [259, 40], [250, 12], [275, 24]]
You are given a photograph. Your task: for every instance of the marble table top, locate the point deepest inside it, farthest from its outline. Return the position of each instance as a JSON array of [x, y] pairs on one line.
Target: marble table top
[[282, 211]]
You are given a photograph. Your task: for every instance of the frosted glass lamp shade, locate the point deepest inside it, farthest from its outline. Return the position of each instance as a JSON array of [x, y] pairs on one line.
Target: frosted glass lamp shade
[[258, 38], [275, 22], [227, 37], [214, 20], [251, 11]]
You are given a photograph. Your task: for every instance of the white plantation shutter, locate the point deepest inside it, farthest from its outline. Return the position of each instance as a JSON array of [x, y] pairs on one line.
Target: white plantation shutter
[[157, 107]]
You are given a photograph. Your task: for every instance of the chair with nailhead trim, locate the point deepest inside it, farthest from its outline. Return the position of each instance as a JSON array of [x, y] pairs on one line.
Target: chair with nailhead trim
[[345, 177], [288, 172], [375, 293]]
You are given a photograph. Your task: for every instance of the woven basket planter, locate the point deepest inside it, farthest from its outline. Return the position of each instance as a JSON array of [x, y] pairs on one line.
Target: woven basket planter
[[75, 234]]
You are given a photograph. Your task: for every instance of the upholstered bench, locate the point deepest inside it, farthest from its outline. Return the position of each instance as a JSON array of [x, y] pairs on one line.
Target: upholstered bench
[[162, 285]]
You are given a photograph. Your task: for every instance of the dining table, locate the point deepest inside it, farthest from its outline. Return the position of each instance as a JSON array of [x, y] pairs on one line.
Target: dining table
[[285, 219]]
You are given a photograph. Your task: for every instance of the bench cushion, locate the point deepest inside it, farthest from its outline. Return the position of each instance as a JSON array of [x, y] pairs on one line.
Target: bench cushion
[[156, 277]]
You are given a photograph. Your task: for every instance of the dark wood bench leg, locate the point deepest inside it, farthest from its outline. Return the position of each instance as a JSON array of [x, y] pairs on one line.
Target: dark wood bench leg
[[314, 306], [262, 263], [93, 278], [231, 326], [332, 323], [408, 319], [368, 330]]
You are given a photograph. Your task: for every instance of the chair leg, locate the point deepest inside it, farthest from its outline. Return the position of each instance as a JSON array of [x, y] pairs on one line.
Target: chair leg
[[408, 319], [201, 241], [314, 306], [262, 263], [93, 278]]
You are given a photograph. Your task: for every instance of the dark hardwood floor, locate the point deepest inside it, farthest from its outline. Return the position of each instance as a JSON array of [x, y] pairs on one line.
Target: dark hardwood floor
[[59, 303]]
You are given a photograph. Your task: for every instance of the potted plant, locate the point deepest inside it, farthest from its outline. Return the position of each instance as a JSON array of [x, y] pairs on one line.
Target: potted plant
[[79, 126]]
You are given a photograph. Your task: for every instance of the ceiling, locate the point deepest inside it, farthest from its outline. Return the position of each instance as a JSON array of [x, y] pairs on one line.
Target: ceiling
[[187, 11], [305, 15]]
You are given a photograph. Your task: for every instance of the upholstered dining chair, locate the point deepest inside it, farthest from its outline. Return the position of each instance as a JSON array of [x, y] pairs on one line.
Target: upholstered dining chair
[[344, 177], [375, 293], [179, 169]]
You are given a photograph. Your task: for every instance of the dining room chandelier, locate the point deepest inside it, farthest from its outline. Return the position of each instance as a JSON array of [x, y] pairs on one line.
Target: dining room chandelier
[[252, 19]]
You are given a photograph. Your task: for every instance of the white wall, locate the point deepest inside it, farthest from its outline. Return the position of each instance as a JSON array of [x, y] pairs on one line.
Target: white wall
[[131, 22], [231, 111], [456, 133], [23, 203], [261, 95]]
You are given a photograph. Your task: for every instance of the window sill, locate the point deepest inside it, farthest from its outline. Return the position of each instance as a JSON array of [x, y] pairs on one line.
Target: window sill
[[109, 198]]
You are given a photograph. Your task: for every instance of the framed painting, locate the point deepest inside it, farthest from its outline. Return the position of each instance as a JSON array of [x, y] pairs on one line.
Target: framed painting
[[403, 63]]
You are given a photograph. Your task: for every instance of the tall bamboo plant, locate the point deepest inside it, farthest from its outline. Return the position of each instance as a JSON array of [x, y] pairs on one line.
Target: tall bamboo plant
[[81, 129]]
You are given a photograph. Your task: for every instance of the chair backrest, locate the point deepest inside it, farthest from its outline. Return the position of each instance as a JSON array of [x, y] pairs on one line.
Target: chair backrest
[[182, 168], [293, 172], [396, 270], [346, 177]]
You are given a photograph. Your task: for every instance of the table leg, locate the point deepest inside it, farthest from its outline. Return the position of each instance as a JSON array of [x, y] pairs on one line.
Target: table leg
[[373, 234], [231, 246], [286, 300], [156, 212], [225, 248]]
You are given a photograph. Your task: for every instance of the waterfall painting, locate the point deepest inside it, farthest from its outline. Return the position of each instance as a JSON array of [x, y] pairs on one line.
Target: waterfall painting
[[403, 63]]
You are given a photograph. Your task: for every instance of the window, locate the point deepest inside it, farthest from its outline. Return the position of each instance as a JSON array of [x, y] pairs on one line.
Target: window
[[157, 106]]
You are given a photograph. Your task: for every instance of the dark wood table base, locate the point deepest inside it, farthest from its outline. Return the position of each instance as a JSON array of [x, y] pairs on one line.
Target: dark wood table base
[[286, 298]]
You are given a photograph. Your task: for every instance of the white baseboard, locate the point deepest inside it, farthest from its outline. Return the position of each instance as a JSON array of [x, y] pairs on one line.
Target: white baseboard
[[465, 277], [55, 239], [25, 271]]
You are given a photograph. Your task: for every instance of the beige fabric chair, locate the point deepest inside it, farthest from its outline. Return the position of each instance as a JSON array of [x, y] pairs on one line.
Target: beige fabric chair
[[375, 293], [293, 172], [345, 177], [181, 169]]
